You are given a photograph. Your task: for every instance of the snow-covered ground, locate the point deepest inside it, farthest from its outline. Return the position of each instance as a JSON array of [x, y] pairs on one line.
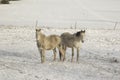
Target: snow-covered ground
[[62, 13], [99, 55], [20, 59]]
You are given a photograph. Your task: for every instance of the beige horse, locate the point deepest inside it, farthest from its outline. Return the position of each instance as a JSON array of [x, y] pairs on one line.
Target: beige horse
[[48, 43], [72, 41]]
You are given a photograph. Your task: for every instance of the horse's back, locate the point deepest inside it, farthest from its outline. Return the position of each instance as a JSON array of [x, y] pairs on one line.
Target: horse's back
[[67, 39], [54, 38], [52, 41], [66, 34]]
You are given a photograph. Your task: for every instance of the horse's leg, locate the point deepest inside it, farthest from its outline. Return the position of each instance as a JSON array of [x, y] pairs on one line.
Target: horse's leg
[[54, 51], [43, 55], [61, 50], [78, 50], [60, 54], [40, 51], [72, 53], [64, 48]]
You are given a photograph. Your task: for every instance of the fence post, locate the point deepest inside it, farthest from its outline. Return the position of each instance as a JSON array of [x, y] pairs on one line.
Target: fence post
[[75, 25], [115, 25], [36, 23]]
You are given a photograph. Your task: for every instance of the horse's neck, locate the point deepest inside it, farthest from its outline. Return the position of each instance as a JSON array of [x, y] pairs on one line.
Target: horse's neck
[[42, 37], [78, 38]]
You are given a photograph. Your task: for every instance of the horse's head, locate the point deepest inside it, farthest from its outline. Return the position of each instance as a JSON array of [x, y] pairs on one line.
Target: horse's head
[[81, 34], [38, 31]]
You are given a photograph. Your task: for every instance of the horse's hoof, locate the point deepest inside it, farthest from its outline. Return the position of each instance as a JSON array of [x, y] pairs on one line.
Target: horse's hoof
[[54, 59], [78, 62], [71, 60], [42, 61]]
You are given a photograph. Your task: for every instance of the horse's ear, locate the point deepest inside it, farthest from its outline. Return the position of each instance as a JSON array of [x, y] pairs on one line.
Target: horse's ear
[[38, 29], [78, 33], [84, 31]]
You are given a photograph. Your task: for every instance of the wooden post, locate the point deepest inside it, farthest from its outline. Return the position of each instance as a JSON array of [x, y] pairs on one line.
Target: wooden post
[[36, 23], [115, 25], [75, 25]]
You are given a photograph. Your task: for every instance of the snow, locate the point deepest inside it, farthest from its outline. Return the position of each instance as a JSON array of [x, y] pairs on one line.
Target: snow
[[62, 13], [99, 54], [20, 59]]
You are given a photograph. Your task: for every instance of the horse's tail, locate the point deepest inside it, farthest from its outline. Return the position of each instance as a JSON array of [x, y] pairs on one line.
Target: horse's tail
[[62, 50], [60, 54]]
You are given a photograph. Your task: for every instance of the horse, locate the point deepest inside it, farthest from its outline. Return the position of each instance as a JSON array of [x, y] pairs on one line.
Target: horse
[[50, 42], [72, 41]]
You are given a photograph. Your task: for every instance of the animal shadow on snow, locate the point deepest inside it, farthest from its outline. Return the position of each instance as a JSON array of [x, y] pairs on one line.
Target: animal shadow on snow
[[107, 58], [14, 54]]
